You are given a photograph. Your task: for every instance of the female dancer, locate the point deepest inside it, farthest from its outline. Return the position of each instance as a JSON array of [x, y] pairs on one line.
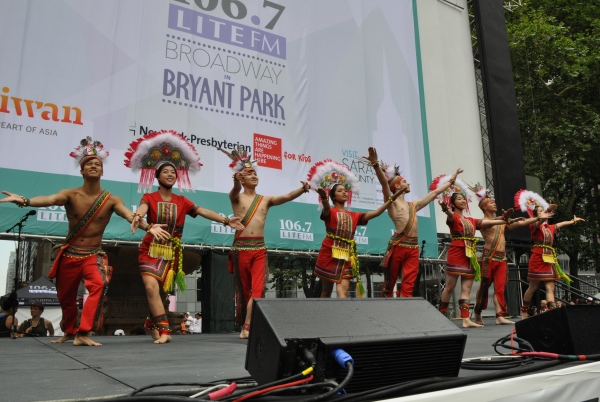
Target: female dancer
[[338, 258], [462, 258], [543, 264], [168, 156]]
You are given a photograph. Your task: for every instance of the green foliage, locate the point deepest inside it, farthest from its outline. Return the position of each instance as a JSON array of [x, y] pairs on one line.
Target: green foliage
[[555, 51]]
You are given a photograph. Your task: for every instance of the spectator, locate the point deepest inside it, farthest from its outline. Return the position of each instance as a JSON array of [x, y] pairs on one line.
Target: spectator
[[559, 304], [119, 332], [36, 325], [543, 306], [139, 330], [196, 327], [10, 306]]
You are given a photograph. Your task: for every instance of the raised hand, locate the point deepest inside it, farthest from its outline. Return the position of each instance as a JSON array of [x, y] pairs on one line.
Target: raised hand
[[546, 215], [239, 175], [551, 207], [455, 175], [235, 223], [372, 158], [305, 186], [506, 215], [322, 192], [443, 205]]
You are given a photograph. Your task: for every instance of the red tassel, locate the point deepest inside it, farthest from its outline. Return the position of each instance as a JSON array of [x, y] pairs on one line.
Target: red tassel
[[146, 180]]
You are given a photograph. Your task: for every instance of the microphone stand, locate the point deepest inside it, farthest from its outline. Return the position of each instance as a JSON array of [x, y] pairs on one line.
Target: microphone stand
[[20, 224], [417, 288]]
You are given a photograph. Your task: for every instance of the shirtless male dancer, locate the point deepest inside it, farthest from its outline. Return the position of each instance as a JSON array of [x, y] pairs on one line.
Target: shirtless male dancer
[[493, 260], [89, 209], [402, 254], [248, 255]]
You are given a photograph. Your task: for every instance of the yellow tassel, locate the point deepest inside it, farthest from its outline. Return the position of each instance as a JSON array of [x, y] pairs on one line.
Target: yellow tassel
[[340, 253], [161, 251], [169, 280]]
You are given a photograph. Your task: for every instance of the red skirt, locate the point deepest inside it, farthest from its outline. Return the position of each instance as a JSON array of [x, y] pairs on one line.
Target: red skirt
[[540, 270], [458, 263], [332, 269]]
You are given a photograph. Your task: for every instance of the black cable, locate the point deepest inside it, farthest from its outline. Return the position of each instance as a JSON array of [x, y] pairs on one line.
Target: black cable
[[387, 390], [340, 386], [298, 388], [502, 363]]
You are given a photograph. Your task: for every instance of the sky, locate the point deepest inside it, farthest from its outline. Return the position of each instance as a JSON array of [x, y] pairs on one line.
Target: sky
[[6, 246]]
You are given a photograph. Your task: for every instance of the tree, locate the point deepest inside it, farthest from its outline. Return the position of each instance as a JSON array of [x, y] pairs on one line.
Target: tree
[[555, 51]]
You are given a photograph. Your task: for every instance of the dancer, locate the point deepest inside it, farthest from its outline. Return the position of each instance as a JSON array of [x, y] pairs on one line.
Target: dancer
[[338, 258], [168, 157], [89, 209], [543, 264], [402, 255], [248, 254], [493, 260], [462, 258]]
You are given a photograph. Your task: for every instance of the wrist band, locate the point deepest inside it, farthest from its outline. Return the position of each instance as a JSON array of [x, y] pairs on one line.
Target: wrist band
[[304, 190], [133, 215], [376, 164], [324, 199], [452, 181], [149, 227], [391, 199], [225, 221], [25, 202]]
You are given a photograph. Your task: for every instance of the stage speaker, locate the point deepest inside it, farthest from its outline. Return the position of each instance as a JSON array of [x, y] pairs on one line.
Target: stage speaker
[[569, 330], [390, 340]]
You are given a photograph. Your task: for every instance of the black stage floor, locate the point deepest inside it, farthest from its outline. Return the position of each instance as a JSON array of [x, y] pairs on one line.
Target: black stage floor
[[33, 369]]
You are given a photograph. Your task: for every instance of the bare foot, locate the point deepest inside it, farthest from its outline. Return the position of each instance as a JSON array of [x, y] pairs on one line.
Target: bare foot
[[467, 323], [503, 321], [64, 338], [155, 335], [478, 319], [82, 340], [244, 334], [163, 339]]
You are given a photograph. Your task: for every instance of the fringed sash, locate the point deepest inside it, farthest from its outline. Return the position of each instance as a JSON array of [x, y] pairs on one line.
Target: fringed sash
[[249, 214], [79, 229], [398, 237]]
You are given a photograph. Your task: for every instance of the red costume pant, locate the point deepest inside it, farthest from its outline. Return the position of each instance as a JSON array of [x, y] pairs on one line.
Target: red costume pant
[[248, 262], [496, 274], [91, 265], [406, 260]]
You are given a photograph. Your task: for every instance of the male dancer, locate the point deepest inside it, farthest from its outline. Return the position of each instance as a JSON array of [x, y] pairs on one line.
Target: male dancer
[[402, 254], [493, 260], [248, 255], [89, 209]]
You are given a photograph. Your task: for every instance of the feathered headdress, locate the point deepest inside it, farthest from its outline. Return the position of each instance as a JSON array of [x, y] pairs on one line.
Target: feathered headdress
[[458, 187], [327, 173], [89, 149], [240, 159], [527, 201], [158, 148], [484, 195], [392, 174]]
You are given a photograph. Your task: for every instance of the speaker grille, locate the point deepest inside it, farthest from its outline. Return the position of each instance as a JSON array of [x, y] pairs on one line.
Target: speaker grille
[[380, 364]]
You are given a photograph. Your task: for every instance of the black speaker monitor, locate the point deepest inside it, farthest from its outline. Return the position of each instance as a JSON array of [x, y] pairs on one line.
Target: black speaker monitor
[[390, 340], [569, 330]]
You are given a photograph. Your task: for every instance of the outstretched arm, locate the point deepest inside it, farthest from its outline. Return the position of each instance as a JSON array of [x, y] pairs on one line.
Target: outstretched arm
[[374, 161], [234, 222], [420, 204], [520, 222], [374, 214], [42, 201], [571, 222], [292, 195]]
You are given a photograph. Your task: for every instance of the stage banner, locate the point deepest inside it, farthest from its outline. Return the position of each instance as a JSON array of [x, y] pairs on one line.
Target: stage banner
[[292, 81]]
